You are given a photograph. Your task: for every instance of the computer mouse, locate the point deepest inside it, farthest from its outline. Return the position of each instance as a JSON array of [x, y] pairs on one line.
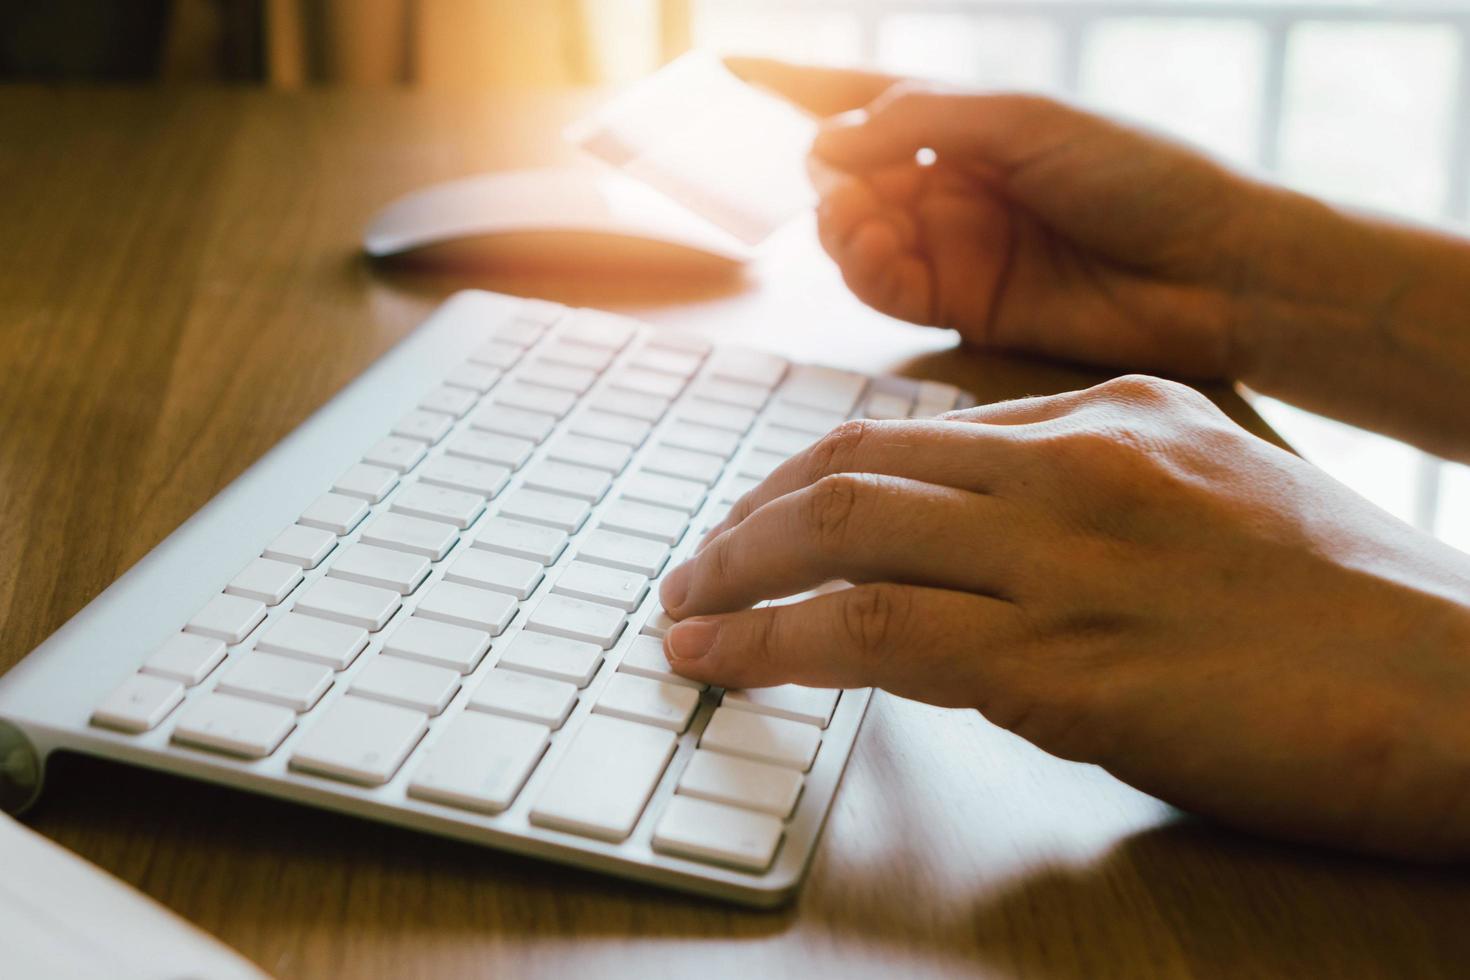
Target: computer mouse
[[567, 218]]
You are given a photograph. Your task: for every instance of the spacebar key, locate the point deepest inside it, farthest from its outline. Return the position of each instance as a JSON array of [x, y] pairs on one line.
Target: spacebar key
[[601, 785]]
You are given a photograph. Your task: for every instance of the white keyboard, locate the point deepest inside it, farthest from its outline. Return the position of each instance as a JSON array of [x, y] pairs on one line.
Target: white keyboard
[[435, 604]]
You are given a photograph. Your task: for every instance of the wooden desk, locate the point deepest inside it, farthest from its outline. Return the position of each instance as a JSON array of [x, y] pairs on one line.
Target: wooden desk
[[181, 287]]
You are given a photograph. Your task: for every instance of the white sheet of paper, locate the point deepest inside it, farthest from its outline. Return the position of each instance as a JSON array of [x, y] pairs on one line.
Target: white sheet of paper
[[60, 917], [729, 152]]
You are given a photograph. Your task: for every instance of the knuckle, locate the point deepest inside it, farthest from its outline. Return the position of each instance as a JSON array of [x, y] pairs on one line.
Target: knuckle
[[840, 448], [829, 509], [1143, 389], [871, 617]]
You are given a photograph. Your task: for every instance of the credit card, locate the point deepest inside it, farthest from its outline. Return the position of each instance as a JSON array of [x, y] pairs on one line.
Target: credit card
[[729, 152]]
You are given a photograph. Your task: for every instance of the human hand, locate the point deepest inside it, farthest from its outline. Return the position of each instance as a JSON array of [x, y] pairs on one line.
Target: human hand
[[1125, 577], [1038, 228]]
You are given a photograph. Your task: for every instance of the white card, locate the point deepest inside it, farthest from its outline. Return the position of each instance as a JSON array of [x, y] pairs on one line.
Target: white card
[[731, 153]]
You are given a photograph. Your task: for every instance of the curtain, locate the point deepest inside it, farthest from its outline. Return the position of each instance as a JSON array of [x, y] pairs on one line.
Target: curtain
[[469, 43]]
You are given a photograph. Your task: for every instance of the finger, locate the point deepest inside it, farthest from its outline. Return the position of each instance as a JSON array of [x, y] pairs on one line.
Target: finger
[[965, 457], [853, 527], [935, 645], [824, 91], [1017, 411], [1003, 131], [883, 274]]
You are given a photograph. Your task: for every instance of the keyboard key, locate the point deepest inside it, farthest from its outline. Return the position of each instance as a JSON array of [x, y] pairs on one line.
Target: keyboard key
[[294, 684], [508, 421], [521, 540], [349, 602], [676, 340], [730, 392], [741, 782], [645, 658], [735, 488], [647, 408], [228, 617], [659, 623], [824, 388], [449, 400], [335, 512], [645, 520], [597, 329], [304, 546], [424, 426], [703, 438], [496, 354], [480, 762], [614, 428], [360, 741], [529, 698], [555, 657], [567, 479], [462, 605], [813, 421], [758, 464], [605, 778], [534, 398], [371, 483], [646, 382], [473, 377], [266, 580], [762, 738], [717, 834], [383, 567], [782, 441], [469, 475], [318, 640], [681, 364], [139, 703], [623, 551], [577, 355], [935, 398], [414, 535], [186, 658], [396, 453], [596, 583], [236, 726], [746, 365], [665, 491], [552, 509], [439, 504], [394, 680], [811, 705], [458, 648], [561, 376], [885, 405], [491, 447], [577, 619], [648, 701], [684, 463], [491, 570], [700, 411], [586, 451]]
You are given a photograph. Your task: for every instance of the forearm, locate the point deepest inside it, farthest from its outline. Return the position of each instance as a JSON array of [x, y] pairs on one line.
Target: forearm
[[1357, 317]]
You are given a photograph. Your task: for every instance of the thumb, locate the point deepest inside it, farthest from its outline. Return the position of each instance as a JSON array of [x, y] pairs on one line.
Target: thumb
[[1001, 131]]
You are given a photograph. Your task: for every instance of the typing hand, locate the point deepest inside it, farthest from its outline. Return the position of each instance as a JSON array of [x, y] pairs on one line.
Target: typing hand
[[1122, 576], [1038, 228]]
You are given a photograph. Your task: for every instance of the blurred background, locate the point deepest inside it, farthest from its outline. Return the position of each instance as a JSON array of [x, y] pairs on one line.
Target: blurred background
[[1366, 102]]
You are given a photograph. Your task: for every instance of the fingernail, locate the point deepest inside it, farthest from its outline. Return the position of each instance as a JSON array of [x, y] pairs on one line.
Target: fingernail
[[676, 587], [692, 638]]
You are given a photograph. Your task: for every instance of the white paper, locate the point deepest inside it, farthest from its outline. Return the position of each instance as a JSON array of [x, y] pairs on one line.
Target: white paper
[[61, 918], [731, 153]]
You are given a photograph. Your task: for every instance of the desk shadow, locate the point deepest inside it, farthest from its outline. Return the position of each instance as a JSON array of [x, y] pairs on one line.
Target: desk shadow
[[588, 286], [199, 847]]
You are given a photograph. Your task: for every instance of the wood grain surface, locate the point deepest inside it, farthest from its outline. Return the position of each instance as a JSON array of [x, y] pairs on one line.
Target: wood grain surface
[[181, 286]]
